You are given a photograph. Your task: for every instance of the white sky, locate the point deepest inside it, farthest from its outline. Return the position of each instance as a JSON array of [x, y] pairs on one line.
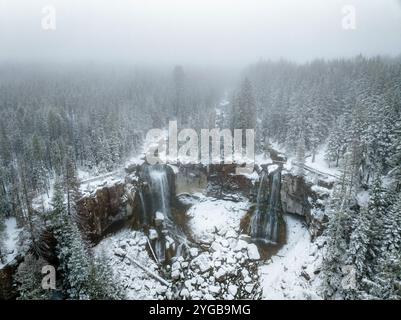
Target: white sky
[[224, 32]]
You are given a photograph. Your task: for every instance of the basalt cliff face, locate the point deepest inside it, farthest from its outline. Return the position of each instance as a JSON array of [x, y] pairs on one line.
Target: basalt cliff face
[[107, 205], [149, 198]]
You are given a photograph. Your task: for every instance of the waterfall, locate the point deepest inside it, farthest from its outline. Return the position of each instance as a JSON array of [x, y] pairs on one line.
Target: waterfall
[[264, 223], [155, 198], [161, 191], [274, 206], [144, 212], [160, 248]]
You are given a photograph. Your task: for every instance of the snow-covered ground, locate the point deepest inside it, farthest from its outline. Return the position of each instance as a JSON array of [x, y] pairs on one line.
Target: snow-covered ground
[[285, 275], [321, 164], [118, 249], [10, 241], [89, 184], [210, 215]]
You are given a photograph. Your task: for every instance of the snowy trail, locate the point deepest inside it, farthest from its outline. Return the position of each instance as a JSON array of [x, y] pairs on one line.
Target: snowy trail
[[282, 277]]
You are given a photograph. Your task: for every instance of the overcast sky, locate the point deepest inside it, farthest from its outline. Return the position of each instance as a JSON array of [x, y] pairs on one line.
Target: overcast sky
[[225, 32]]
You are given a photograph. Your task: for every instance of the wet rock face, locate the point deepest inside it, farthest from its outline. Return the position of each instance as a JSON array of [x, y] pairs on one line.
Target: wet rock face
[[294, 195], [190, 179], [306, 200], [102, 209], [224, 183]]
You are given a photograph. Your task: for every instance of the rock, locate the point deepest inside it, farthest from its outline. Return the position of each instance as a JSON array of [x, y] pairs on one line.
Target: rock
[[143, 241], [214, 289], [224, 243], [161, 289], [216, 247], [203, 262], [231, 234], [253, 252], [249, 288], [208, 296], [216, 255], [220, 274], [153, 234], [184, 293], [120, 252], [175, 266], [239, 256], [232, 289], [175, 275], [245, 273], [241, 244], [245, 237], [231, 260], [305, 275], [193, 252], [159, 219], [222, 232], [217, 263]]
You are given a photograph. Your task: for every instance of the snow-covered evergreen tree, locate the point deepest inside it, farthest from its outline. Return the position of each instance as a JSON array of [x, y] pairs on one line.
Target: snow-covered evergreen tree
[[28, 279]]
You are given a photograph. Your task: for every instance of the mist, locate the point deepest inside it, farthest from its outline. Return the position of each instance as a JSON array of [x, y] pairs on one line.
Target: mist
[[191, 32]]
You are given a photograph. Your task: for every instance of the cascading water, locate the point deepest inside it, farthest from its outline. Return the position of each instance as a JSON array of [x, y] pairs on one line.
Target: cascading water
[[160, 250], [274, 206], [144, 217], [161, 191], [156, 201], [264, 223]]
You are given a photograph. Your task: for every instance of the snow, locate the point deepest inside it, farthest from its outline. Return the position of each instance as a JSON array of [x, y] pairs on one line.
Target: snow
[[363, 198], [261, 159], [210, 215], [253, 252], [321, 164], [137, 283], [10, 241], [93, 183], [281, 278]]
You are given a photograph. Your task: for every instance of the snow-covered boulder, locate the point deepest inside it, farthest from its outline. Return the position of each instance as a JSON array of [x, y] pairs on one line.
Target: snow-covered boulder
[[203, 262], [153, 234], [159, 218], [193, 252], [253, 252]]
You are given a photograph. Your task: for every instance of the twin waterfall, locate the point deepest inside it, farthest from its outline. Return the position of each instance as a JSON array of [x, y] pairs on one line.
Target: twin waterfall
[[166, 235]]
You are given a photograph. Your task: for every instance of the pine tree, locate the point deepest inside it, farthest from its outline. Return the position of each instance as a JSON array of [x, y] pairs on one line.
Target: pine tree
[[71, 185], [244, 107], [28, 279], [391, 242], [336, 145], [359, 242], [300, 156], [338, 232], [74, 262], [53, 217], [378, 205], [395, 158], [102, 283]]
